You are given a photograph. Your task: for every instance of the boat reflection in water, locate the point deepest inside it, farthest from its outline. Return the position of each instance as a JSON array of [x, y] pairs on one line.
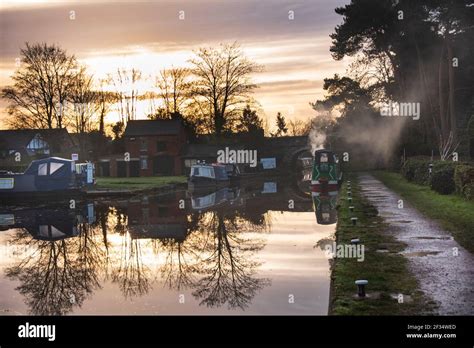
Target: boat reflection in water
[[325, 204], [325, 182], [48, 224], [203, 244]]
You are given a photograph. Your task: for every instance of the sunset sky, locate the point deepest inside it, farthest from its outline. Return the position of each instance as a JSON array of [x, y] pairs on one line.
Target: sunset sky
[[149, 35]]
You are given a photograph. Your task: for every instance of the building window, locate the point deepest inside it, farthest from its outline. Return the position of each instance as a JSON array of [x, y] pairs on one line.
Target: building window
[[143, 144], [189, 162], [144, 162], [37, 144], [160, 146]]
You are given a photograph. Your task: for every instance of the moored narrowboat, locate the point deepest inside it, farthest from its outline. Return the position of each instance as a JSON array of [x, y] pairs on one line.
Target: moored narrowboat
[[51, 176], [208, 175], [326, 175]]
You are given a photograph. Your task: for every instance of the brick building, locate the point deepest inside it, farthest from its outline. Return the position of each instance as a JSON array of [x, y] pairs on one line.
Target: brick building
[[152, 147]]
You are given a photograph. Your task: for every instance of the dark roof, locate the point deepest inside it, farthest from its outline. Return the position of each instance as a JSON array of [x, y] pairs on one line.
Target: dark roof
[[208, 150], [152, 127], [201, 150], [19, 138]]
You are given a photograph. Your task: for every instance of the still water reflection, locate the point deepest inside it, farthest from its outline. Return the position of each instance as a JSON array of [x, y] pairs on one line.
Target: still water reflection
[[251, 249]]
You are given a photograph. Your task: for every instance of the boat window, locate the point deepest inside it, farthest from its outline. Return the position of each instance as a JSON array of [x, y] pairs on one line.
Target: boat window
[[43, 169], [206, 201], [323, 158], [220, 172], [54, 166], [6, 183], [206, 172]]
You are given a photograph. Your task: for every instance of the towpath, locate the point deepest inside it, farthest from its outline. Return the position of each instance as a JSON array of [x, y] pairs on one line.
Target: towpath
[[445, 269]]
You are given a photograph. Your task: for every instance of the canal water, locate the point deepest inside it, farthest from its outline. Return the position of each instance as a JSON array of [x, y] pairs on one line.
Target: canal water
[[252, 249]]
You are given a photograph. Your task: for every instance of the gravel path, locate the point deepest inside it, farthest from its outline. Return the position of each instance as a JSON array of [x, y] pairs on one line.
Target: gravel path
[[444, 269]]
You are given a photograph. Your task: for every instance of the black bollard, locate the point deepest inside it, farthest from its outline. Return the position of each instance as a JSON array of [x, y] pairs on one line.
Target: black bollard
[[361, 283]]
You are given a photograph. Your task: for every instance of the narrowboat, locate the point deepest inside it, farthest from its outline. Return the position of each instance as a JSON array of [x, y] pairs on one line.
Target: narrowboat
[[52, 177], [326, 175], [207, 176]]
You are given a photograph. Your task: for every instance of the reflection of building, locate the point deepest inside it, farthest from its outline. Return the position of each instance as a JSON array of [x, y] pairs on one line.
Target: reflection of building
[[156, 218], [155, 148]]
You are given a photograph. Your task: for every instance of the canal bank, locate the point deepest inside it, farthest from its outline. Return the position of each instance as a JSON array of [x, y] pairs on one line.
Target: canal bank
[[392, 288], [131, 186]]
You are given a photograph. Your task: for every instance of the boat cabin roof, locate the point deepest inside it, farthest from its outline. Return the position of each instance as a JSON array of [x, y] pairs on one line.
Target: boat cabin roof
[[214, 170], [55, 166]]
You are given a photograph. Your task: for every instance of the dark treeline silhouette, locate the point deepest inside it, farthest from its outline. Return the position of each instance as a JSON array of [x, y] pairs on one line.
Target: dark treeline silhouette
[[407, 52]]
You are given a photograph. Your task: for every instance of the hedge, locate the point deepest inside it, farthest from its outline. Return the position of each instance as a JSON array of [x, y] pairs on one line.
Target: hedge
[[446, 176], [464, 180], [442, 177], [417, 170]]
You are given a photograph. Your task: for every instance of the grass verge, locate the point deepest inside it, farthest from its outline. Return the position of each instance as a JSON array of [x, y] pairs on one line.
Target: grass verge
[[387, 272], [140, 183], [452, 212]]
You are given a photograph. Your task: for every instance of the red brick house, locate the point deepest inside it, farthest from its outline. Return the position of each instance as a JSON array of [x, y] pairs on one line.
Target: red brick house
[[154, 147]]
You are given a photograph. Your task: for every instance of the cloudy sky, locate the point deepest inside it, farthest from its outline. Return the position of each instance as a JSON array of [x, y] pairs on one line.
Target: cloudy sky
[[150, 35]]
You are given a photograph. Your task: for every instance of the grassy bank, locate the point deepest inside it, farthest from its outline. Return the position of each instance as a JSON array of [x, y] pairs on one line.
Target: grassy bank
[[139, 183], [387, 272], [452, 212]]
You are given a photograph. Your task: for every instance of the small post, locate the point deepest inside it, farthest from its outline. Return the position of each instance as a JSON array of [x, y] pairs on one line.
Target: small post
[[355, 241], [354, 221], [351, 208], [361, 283], [349, 199]]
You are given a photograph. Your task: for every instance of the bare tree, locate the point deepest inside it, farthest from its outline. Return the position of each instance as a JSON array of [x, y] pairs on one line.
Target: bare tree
[[84, 100], [174, 88], [41, 85], [125, 82], [298, 127], [104, 100], [223, 83]]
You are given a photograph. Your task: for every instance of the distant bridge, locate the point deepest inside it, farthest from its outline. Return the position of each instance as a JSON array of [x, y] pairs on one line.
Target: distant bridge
[[286, 149]]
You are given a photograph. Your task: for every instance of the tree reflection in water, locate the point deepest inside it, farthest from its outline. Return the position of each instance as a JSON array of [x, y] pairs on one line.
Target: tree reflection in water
[[180, 267], [215, 258], [132, 275], [227, 269], [57, 275]]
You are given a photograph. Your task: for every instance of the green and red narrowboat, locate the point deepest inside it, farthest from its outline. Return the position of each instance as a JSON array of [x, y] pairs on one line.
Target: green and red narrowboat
[[326, 175]]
